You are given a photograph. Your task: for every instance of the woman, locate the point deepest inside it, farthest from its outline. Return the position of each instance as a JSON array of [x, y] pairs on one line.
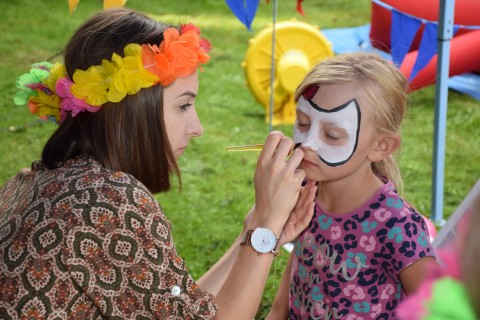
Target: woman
[[81, 235]]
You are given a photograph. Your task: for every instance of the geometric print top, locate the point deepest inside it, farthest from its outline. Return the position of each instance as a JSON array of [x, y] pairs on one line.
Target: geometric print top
[[347, 265], [85, 242]]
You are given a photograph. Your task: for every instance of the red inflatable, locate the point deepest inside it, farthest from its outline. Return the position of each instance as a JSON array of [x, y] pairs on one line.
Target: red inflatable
[[465, 46]]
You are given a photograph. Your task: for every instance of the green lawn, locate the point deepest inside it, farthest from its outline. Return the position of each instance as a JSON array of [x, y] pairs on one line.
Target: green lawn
[[218, 186]]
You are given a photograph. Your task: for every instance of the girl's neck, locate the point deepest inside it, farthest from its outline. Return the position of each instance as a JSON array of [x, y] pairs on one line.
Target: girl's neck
[[348, 194]]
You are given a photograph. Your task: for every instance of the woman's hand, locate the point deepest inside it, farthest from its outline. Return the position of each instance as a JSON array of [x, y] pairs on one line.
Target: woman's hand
[[301, 215], [278, 182]]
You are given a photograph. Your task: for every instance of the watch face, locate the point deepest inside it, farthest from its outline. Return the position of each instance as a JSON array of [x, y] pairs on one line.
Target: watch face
[[263, 240]]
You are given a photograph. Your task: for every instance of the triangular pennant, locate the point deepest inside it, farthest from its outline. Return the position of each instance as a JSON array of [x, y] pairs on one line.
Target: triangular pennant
[[299, 7], [426, 50], [72, 5], [113, 3], [403, 31], [245, 14]]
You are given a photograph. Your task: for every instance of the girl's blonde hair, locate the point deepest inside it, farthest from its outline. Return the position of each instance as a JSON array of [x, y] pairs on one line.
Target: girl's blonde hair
[[384, 87]]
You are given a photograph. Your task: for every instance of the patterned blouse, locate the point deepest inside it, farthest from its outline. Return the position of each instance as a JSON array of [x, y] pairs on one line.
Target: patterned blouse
[[86, 242]]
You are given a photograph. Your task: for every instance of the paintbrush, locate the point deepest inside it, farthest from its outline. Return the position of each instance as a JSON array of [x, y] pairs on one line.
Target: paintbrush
[[252, 147], [248, 147]]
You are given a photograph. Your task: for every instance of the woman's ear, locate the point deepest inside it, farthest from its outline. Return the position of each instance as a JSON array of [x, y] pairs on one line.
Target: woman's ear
[[386, 144]]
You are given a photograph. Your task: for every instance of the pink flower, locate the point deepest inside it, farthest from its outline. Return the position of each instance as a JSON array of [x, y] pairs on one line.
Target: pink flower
[[68, 101]]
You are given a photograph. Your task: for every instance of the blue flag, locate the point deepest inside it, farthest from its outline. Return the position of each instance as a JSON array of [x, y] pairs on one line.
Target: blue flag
[[244, 10], [402, 32], [427, 49]]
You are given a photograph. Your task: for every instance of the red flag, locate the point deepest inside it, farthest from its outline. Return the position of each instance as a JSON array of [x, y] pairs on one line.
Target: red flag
[[299, 7]]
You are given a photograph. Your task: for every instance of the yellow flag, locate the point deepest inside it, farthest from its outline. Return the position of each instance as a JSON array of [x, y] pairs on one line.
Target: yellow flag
[[72, 4], [113, 3]]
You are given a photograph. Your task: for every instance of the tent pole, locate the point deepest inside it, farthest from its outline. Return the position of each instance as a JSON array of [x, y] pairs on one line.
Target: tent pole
[[272, 66], [445, 34]]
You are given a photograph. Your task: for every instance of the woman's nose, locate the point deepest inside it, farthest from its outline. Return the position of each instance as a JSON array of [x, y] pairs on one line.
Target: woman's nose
[[195, 128]]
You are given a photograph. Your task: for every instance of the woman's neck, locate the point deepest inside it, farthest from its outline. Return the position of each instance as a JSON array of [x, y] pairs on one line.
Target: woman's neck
[[348, 194]]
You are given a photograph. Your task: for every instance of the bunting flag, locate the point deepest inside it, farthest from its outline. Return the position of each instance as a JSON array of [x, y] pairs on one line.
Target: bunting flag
[[299, 7], [402, 33], [72, 4], [113, 3], [403, 30], [427, 48], [244, 10]]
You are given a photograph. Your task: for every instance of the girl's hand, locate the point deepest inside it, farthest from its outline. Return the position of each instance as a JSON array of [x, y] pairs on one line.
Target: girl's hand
[[301, 215], [277, 182]]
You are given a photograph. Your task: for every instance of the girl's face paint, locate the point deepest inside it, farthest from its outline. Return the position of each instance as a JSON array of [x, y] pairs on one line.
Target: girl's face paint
[[331, 133]]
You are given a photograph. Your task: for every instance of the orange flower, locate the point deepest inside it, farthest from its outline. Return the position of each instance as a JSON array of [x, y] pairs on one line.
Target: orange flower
[[157, 63], [178, 55]]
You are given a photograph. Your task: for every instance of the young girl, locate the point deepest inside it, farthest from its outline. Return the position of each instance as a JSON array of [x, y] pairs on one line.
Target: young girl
[[365, 247]]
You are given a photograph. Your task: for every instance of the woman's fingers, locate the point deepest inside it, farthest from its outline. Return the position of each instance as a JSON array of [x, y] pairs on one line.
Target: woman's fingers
[[271, 144], [295, 159], [283, 150]]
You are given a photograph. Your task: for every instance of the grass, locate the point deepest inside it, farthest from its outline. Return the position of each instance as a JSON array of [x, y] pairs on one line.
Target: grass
[[218, 186]]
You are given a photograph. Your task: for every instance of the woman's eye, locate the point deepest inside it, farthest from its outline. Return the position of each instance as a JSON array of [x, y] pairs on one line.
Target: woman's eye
[[303, 125], [185, 106]]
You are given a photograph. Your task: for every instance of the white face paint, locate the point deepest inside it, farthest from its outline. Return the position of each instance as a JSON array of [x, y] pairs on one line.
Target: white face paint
[[332, 134]]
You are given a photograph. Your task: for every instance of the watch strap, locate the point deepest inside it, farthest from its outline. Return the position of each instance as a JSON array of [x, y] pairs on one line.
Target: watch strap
[[247, 238]]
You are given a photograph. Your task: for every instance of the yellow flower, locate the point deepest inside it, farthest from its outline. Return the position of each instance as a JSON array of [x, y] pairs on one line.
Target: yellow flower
[[92, 85], [57, 71], [130, 76], [45, 105]]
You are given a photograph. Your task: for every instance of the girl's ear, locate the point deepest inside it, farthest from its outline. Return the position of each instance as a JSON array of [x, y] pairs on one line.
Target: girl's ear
[[386, 144]]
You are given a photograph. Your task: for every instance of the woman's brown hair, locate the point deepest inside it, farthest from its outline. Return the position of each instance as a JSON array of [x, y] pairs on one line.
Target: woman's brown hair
[[130, 135]]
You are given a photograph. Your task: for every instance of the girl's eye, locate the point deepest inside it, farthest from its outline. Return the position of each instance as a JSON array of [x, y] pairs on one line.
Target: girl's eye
[[333, 138], [185, 106]]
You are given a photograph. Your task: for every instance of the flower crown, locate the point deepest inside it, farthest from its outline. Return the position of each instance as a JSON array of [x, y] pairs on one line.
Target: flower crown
[[50, 93]]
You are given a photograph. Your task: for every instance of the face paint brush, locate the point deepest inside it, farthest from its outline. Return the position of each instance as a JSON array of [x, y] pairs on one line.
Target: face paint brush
[[252, 147], [248, 147]]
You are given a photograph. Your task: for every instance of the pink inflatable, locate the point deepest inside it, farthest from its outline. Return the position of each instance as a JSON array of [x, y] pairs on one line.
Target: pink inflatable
[[465, 46]]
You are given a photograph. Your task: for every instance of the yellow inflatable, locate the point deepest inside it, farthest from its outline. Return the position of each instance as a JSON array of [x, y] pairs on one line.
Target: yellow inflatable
[[298, 47]]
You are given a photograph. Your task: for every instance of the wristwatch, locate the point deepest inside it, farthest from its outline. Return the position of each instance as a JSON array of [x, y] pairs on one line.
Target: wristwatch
[[262, 240]]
